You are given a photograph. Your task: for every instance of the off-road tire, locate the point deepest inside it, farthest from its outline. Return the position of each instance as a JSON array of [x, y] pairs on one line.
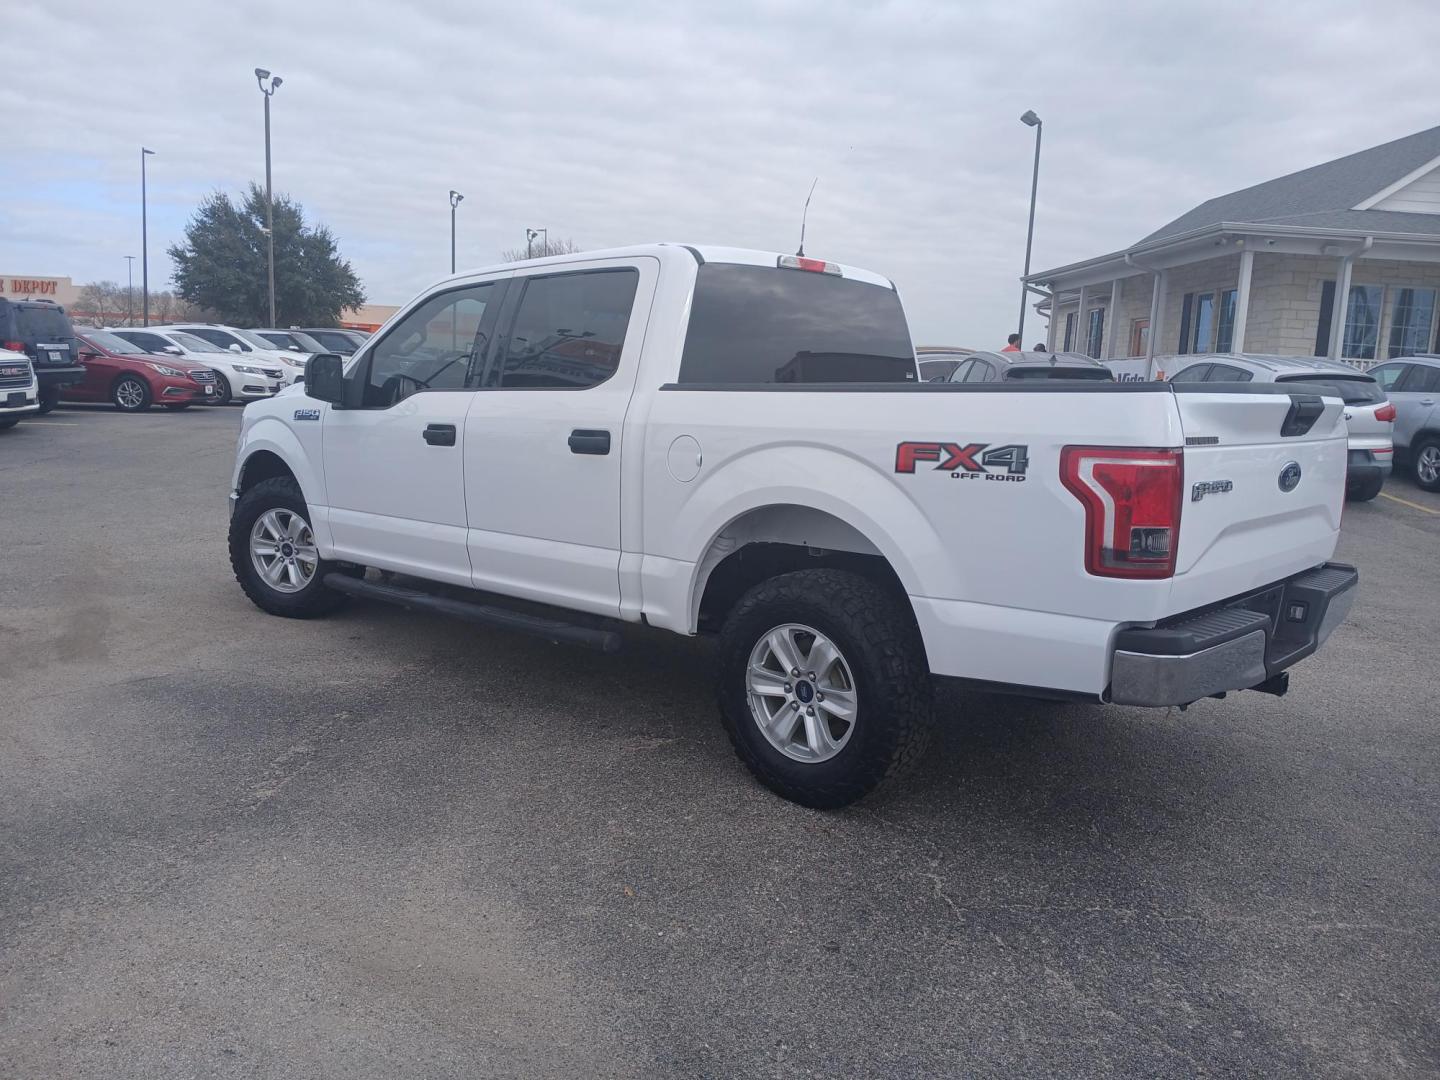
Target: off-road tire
[[316, 598], [877, 636]]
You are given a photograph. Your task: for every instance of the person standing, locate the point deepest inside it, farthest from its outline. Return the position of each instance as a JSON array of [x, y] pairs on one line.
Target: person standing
[[1012, 343]]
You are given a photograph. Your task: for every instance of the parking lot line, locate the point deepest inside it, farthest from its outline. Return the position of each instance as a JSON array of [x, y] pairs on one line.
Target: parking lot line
[[1407, 502], [50, 423]]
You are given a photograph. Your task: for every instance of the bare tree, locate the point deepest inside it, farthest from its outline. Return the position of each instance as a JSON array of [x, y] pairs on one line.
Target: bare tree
[[539, 249], [98, 301]]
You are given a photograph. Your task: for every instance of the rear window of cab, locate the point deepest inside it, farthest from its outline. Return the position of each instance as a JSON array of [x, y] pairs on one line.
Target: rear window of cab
[[765, 324]]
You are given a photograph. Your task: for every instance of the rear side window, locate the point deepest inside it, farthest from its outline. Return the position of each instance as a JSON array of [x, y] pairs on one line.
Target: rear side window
[[762, 324], [219, 337], [1192, 374], [937, 370], [1351, 389], [1423, 379], [1087, 374], [568, 330], [1227, 373]]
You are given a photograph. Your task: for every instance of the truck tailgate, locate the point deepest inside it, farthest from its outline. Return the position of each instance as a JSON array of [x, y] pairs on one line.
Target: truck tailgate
[[1264, 489]]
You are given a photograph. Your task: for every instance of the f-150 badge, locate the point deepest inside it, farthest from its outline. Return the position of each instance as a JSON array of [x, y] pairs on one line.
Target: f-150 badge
[[307, 414], [965, 461], [1210, 487]]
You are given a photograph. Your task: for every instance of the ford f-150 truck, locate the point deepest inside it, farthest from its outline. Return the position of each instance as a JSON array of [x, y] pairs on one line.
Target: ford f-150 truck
[[717, 440]]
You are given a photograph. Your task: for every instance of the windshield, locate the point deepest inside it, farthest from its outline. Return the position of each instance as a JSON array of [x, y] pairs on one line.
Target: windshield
[[1354, 389], [1089, 374], [191, 343], [103, 339]]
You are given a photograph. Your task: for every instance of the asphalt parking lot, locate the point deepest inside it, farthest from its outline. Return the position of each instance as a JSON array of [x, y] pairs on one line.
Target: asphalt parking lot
[[385, 845]]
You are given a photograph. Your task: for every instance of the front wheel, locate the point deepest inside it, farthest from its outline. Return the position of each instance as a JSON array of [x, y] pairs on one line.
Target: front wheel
[[273, 553], [130, 394], [222, 390], [823, 686], [1426, 457]]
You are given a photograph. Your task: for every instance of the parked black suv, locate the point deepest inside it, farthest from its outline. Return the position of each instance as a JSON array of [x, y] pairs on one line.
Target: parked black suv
[[42, 331]]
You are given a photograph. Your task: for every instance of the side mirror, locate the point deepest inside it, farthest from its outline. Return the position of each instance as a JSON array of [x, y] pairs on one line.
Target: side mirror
[[88, 354], [236, 348], [325, 378], [174, 350]]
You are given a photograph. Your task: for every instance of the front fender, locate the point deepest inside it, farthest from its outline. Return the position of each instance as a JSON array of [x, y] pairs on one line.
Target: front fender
[[301, 455]]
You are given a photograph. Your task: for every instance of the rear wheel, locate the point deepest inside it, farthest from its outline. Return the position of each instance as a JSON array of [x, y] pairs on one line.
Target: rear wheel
[[130, 394], [823, 686], [1365, 490], [1425, 458], [273, 553], [222, 390], [48, 400]]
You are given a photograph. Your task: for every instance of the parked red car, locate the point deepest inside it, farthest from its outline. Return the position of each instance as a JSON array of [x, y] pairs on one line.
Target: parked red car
[[132, 379]]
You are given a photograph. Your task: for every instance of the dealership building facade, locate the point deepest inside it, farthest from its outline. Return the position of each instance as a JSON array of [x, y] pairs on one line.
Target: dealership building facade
[[1339, 260]]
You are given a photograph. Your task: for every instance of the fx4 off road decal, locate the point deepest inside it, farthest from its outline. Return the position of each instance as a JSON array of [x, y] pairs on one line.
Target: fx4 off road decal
[[967, 461]]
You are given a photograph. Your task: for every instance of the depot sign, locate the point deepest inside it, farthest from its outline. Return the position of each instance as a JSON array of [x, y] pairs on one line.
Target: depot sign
[[17, 286]]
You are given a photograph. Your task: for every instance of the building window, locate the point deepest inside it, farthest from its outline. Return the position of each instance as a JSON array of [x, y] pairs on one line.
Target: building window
[[1203, 326], [1225, 331], [1410, 321], [1362, 322], [1069, 331], [1095, 333]]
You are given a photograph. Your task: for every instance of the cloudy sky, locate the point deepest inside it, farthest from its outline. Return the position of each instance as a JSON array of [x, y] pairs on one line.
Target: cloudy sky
[[614, 123]]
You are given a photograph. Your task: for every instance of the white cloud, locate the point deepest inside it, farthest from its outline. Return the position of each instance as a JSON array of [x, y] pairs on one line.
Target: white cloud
[[615, 124]]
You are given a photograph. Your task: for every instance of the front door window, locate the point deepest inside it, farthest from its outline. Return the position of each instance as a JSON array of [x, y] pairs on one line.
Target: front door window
[[438, 346]]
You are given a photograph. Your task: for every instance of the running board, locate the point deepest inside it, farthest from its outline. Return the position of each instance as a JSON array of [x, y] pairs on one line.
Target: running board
[[553, 630]]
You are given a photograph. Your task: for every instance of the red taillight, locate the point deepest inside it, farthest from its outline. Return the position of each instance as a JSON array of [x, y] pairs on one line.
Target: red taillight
[[1132, 501], [14, 346], [1385, 413]]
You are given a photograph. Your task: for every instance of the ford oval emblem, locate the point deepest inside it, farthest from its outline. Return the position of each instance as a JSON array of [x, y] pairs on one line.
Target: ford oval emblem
[[1290, 476]]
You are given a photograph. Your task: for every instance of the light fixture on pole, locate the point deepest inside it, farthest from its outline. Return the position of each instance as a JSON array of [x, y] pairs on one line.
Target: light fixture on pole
[[144, 245], [455, 200], [1031, 120], [530, 235], [260, 76], [129, 290]]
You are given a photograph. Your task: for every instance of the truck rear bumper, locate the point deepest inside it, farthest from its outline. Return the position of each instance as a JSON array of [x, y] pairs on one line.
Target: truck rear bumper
[[1236, 646]]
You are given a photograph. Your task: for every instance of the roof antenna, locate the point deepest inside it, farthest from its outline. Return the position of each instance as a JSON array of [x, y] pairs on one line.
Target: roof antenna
[[804, 214]]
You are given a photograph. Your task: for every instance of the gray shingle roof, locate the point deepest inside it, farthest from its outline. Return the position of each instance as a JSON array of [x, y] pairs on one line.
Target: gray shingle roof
[[1322, 196]]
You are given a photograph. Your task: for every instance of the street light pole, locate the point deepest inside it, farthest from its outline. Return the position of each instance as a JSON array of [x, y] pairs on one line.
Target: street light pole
[[260, 76], [455, 200], [1030, 120], [129, 290], [144, 244], [530, 235]]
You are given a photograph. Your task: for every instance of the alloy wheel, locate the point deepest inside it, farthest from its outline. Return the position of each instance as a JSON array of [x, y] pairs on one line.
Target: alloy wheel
[[1427, 465], [801, 693], [282, 550], [129, 394]]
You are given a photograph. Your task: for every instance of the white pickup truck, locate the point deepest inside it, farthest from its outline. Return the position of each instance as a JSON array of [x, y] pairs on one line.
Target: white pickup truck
[[711, 439]]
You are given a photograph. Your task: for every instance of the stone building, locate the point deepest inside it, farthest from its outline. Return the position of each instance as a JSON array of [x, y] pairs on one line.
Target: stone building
[[1259, 270]]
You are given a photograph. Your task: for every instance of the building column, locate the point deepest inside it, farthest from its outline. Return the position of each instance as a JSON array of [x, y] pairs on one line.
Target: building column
[[1112, 316], [1080, 328], [1055, 318], [1242, 300], [1157, 319], [1341, 305]]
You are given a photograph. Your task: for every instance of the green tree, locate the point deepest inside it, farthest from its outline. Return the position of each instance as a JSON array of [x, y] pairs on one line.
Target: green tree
[[221, 265]]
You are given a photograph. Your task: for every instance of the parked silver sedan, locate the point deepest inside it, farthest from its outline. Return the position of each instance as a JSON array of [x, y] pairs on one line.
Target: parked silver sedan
[[1369, 417], [983, 367], [1413, 385]]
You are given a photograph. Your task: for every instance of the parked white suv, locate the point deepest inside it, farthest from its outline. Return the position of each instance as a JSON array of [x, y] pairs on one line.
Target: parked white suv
[[709, 439], [1369, 416], [250, 345], [19, 389], [236, 379]]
